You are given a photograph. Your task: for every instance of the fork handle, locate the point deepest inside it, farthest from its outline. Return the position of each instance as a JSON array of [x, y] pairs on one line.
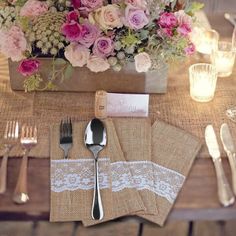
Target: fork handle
[[3, 173], [20, 195]]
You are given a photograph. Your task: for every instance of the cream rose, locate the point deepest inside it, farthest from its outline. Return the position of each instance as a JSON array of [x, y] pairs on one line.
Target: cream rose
[[142, 62], [77, 54], [97, 64], [107, 17]]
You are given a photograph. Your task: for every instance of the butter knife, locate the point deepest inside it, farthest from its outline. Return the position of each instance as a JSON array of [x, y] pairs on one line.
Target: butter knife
[[225, 193], [230, 149]]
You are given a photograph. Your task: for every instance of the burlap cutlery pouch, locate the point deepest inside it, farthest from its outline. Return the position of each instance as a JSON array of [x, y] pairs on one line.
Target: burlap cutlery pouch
[[125, 200], [173, 153], [135, 139], [74, 203]]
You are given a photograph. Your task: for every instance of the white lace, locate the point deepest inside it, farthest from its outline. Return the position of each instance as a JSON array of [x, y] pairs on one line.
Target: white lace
[[79, 174]]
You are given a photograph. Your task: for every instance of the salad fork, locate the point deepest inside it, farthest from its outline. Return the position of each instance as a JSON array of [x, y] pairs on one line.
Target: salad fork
[[28, 140], [11, 135], [66, 139]]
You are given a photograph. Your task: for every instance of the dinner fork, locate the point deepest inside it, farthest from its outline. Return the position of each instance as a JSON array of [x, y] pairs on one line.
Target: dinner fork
[[28, 140], [11, 135], [66, 139]]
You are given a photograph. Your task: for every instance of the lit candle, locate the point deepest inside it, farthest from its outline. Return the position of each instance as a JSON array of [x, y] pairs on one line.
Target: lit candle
[[202, 82], [223, 58]]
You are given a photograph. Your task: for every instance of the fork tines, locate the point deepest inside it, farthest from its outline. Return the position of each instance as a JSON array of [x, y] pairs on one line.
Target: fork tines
[[66, 131], [11, 130], [29, 132]]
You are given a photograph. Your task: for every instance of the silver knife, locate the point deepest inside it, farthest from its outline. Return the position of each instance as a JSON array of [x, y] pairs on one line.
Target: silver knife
[[225, 193], [230, 149]]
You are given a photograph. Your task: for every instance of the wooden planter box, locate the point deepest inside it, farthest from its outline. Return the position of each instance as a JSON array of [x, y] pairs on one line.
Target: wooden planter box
[[83, 80]]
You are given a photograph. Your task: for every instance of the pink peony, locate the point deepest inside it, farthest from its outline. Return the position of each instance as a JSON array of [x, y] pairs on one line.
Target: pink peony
[[28, 67], [77, 54], [89, 34], [190, 49], [13, 43], [76, 3], [135, 18], [92, 4], [167, 20], [72, 16], [33, 8], [184, 29], [103, 47], [97, 64], [72, 31], [167, 32]]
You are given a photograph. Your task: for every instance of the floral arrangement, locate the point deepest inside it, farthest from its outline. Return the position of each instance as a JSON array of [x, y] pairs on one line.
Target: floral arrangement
[[93, 33]]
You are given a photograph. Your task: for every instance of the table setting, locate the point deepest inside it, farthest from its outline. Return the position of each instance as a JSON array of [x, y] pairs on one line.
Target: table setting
[[125, 149]]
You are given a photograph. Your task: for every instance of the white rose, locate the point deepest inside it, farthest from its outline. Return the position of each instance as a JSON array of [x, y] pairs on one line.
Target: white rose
[[97, 64], [77, 54], [142, 62], [108, 17]]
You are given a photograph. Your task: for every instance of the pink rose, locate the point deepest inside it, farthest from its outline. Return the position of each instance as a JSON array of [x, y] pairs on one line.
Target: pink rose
[[76, 3], [89, 34], [13, 43], [167, 20], [103, 47], [72, 16], [135, 18], [33, 8], [97, 64], [72, 31], [107, 17], [184, 29], [190, 49], [183, 18], [92, 4], [28, 67], [77, 54], [142, 62]]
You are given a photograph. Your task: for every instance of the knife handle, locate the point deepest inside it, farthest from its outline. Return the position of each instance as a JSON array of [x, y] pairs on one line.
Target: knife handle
[[225, 193], [232, 162]]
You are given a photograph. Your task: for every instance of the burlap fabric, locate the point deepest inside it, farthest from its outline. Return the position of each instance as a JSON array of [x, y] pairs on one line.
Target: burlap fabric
[[174, 149], [175, 108], [135, 140], [76, 205]]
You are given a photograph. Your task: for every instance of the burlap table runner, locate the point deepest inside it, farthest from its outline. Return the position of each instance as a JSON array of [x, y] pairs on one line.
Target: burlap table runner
[[76, 205], [135, 140], [173, 153]]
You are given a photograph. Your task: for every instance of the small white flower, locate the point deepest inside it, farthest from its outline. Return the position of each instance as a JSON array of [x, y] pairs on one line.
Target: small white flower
[[142, 62]]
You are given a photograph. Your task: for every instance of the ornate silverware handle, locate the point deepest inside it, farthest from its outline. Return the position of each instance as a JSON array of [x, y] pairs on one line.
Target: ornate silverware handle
[[232, 161], [97, 209], [3, 173], [225, 193]]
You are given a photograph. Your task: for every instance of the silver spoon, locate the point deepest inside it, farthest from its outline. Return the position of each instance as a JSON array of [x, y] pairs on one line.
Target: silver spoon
[[95, 140]]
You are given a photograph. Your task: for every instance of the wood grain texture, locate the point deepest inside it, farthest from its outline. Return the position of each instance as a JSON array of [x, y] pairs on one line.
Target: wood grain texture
[[197, 200]]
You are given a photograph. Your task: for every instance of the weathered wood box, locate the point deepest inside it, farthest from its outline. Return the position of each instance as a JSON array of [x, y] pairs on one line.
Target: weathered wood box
[[83, 80]]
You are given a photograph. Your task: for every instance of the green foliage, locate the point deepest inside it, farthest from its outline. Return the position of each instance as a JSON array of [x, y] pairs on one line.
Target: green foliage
[[68, 71], [32, 83], [24, 22], [20, 3], [130, 40], [194, 7]]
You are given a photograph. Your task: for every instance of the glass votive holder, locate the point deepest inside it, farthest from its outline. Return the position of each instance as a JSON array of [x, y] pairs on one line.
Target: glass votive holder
[[205, 40], [203, 79], [223, 58]]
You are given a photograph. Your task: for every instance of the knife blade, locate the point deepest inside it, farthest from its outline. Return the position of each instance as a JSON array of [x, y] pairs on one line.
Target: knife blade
[[230, 149], [225, 193]]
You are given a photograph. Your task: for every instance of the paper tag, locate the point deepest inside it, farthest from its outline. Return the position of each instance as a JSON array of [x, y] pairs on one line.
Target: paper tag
[[121, 105]]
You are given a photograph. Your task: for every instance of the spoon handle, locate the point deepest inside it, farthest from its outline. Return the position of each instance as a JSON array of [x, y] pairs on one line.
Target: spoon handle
[[97, 209]]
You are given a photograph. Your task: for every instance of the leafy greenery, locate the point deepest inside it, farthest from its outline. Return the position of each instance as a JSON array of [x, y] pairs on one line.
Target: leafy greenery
[[32, 83], [194, 7]]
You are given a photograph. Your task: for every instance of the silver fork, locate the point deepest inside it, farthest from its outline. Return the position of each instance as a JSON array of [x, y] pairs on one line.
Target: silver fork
[[66, 139], [28, 140], [11, 135]]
